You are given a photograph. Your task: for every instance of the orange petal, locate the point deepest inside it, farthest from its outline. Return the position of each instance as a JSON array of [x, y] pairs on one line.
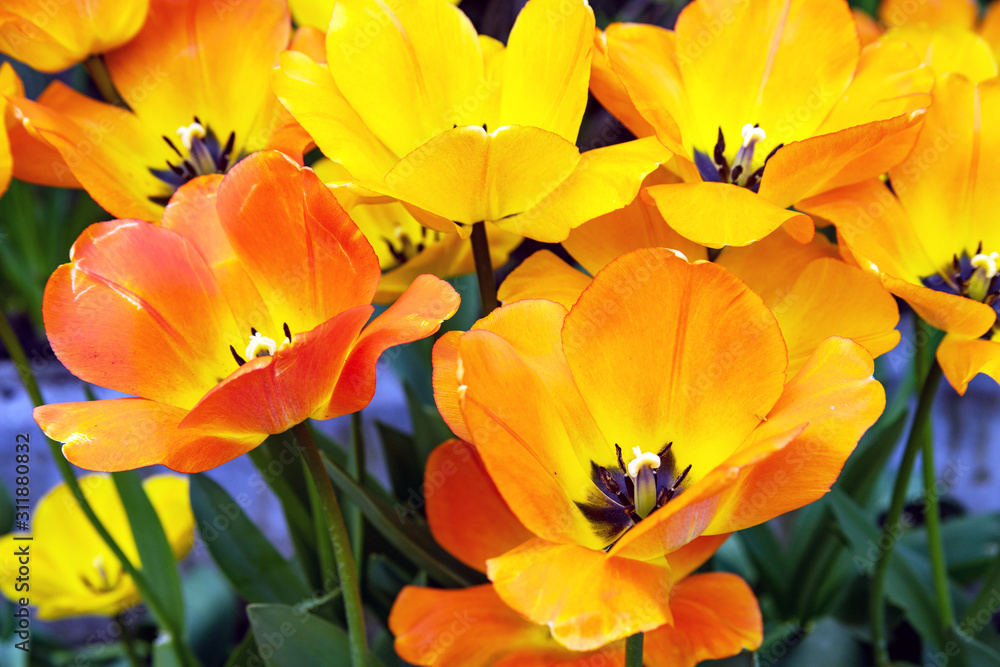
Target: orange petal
[[638, 225], [836, 398], [659, 348], [780, 63], [418, 313], [273, 393], [719, 214], [948, 312], [610, 91], [989, 28], [140, 312], [107, 149], [694, 554], [809, 167], [307, 258], [716, 615], [603, 598], [604, 180], [445, 378], [184, 62], [948, 48], [547, 67], [471, 627], [129, 433], [544, 276], [868, 28], [963, 358], [468, 175], [643, 58], [462, 500], [961, 13]]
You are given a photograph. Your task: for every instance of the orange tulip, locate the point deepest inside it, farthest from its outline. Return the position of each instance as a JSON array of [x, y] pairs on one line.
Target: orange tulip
[[164, 312], [715, 615], [416, 106], [812, 293], [763, 104], [932, 236], [949, 16], [197, 80], [656, 410], [52, 35]]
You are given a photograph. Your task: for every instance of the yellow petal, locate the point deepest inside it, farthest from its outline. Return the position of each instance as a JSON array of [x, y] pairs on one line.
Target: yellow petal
[[547, 66], [963, 358], [544, 276], [935, 13], [948, 48], [609, 90]]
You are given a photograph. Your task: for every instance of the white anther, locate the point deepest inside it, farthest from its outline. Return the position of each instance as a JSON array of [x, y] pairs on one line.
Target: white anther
[[752, 135], [260, 346], [187, 133], [642, 459], [988, 263]]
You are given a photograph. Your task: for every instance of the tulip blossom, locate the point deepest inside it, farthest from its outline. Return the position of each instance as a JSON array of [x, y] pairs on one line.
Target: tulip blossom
[[931, 233], [414, 105], [715, 614], [812, 293], [406, 248], [241, 315], [763, 104], [197, 81], [77, 574], [51, 36], [657, 409], [949, 15]]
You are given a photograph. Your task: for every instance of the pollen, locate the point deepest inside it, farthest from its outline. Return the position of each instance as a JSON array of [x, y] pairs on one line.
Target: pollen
[[260, 346], [752, 135], [986, 263], [642, 459], [187, 133]]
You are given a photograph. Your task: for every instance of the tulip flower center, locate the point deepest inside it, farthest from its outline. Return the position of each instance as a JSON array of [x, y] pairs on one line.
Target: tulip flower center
[[718, 169], [261, 346], [974, 277], [645, 484], [101, 583], [200, 153], [403, 248]]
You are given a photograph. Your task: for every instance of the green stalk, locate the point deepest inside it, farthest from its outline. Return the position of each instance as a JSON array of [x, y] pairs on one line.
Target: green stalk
[[128, 642], [356, 466], [932, 516], [484, 268], [20, 360], [913, 444], [346, 571], [633, 650]]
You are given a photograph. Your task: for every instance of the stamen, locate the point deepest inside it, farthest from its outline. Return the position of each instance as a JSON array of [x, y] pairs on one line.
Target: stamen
[[239, 360], [984, 271], [260, 346], [752, 135], [642, 470], [186, 133]]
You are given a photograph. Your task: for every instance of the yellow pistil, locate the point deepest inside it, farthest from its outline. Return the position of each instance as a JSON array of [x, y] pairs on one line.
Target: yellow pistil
[[642, 471], [187, 133], [984, 270], [260, 346]]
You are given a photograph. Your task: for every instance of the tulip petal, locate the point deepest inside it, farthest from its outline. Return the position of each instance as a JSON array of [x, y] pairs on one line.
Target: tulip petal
[[306, 256], [660, 348], [411, 71], [418, 313], [468, 175], [471, 627], [111, 316], [170, 497], [462, 500], [716, 615], [609, 90], [814, 165], [129, 433], [718, 214], [544, 276], [187, 57], [688, 558], [963, 358], [547, 66], [960, 13], [445, 380], [107, 149], [271, 394], [837, 399], [615, 597], [605, 179], [948, 312], [309, 92]]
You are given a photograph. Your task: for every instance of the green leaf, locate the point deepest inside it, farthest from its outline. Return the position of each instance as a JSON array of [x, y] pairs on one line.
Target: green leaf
[[401, 459], [290, 637], [907, 582], [429, 429], [7, 510], [155, 555], [248, 560], [829, 644], [165, 652], [971, 544], [398, 526], [766, 555], [212, 611], [245, 654]]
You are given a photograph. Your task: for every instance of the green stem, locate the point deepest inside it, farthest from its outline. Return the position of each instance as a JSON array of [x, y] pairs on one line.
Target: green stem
[[913, 444], [932, 516], [484, 268], [633, 650], [20, 360], [346, 571], [972, 623], [128, 642], [355, 518], [99, 74]]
